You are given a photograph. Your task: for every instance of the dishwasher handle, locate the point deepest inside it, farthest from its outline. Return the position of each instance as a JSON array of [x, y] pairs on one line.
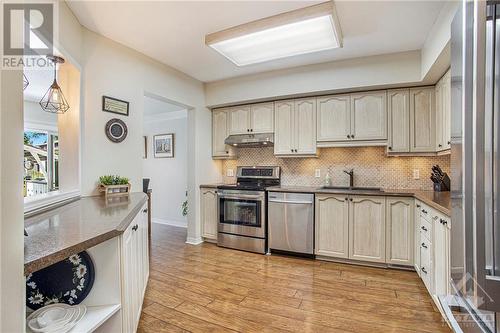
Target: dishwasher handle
[[291, 202]]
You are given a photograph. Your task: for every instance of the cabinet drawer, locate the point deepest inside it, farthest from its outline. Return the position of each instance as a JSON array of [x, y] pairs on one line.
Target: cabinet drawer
[[426, 229], [425, 262]]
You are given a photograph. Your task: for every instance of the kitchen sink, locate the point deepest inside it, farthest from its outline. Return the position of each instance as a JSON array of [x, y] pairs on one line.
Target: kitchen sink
[[353, 188]]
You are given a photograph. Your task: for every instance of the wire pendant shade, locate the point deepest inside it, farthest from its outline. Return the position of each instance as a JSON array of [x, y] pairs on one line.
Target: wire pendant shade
[[54, 101]]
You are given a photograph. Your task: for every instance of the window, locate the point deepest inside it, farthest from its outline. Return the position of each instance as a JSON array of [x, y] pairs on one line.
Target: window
[[41, 162]]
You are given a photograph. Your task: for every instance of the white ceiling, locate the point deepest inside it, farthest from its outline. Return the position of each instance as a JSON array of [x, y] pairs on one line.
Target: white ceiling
[[173, 32]]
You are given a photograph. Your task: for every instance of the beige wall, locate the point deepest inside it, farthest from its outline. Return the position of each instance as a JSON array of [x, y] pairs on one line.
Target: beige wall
[[12, 285], [371, 167], [374, 72]]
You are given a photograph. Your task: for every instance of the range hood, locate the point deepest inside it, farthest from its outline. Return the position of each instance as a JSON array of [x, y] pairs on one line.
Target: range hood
[[250, 140]]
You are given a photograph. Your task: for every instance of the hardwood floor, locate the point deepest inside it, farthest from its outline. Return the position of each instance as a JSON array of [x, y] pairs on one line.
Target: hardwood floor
[[205, 288]]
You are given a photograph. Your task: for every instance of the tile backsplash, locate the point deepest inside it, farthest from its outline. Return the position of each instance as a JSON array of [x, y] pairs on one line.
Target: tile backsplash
[[371, 167]]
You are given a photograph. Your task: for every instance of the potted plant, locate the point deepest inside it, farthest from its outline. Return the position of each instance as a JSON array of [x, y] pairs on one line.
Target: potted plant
[[114, 186]]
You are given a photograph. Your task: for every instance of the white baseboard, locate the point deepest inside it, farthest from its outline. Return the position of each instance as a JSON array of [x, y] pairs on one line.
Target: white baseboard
[[181, 224], [194, 241]]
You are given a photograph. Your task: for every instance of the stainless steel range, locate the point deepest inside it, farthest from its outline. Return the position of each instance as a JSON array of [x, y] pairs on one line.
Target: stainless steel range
[[242, 209]]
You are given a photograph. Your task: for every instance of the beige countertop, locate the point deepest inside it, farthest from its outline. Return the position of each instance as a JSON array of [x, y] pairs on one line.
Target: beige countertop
[[69, 229]]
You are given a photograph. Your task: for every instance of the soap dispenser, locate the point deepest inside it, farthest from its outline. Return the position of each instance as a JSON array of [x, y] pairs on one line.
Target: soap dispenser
[[328, 179]]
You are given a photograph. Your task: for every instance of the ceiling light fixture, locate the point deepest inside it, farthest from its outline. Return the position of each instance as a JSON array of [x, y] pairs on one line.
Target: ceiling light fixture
[[301, 31], [53, 101]]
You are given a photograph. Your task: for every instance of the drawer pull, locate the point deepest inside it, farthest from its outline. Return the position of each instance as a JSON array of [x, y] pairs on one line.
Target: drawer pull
[[145, 210], [424, 228], [424, 211], [443, 222], [423, 270], [418, 206], [424, 246], [135, 227]]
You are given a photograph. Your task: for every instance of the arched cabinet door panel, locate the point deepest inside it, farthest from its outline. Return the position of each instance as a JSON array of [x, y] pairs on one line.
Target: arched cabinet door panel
[[332, 225], [367, 228], [400, 231]]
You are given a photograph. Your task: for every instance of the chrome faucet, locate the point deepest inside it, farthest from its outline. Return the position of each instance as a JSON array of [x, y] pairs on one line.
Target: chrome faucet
[[351, 177]]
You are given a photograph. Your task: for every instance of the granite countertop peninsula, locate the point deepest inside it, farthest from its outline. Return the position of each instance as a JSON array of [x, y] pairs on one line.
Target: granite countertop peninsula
[[61, 232]]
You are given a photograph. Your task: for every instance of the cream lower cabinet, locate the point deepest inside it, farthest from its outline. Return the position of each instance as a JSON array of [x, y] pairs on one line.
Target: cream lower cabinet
[[332, 225], [367, 228], [295, 128], [400, 231], [441, 250], [135, 269], [208, 213], [220, 131]]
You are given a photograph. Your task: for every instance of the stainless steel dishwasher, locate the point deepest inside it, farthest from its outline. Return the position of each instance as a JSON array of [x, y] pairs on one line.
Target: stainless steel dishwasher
[[291, 222]]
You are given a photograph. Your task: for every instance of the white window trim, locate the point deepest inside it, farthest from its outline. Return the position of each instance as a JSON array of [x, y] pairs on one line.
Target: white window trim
[[44, 201]]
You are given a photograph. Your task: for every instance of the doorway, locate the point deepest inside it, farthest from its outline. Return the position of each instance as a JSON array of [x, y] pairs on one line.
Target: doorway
[[165, 159]]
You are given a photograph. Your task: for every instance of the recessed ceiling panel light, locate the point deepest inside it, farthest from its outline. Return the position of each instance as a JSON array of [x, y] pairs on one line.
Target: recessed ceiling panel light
[[301, 31]]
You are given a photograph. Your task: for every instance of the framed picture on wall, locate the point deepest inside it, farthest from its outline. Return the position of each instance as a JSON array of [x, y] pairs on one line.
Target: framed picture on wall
[[163, 145], [145, 152], [114, 105]]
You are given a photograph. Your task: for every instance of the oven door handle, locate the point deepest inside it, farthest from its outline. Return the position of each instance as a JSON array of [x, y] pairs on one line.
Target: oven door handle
[[241, 196]]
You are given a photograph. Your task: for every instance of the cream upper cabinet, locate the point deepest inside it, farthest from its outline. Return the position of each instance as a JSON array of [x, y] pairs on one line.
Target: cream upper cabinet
[[369, 116], [398, 110], [332, 225], [422, 120], [443, 112], [400, 231], [262, 118], [220, 131], [295, 127], [284, 127], [209, 212], [334, 118], [367, 228], [239, 120], [305, 126]]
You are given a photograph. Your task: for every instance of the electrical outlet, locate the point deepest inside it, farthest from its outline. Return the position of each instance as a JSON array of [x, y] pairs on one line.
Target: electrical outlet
[[230, 173], [317, 173], [416, 174]]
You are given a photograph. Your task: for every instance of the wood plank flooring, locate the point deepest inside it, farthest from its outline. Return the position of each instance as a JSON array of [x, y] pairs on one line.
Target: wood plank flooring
[[205, 288]]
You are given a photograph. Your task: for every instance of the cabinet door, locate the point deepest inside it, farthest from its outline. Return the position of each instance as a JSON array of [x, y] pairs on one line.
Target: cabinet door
[[219, 134], [400, 231], [334, 118], [422, 120], [284, 127], [441, 262], [332, 225], [305, 126], [426, 263], [129, 278], [145, 247], [209, 213], [438, 95], [239, 120], [446, 95], [398, 109], [367, 228], [262, 118], [369, 116]]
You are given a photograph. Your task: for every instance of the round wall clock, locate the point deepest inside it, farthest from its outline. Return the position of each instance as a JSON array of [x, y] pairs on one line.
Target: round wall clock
[[116, 130]]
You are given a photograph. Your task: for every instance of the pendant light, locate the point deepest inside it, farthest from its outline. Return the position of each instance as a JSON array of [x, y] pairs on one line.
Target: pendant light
[[53, 101], [25, 82]]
